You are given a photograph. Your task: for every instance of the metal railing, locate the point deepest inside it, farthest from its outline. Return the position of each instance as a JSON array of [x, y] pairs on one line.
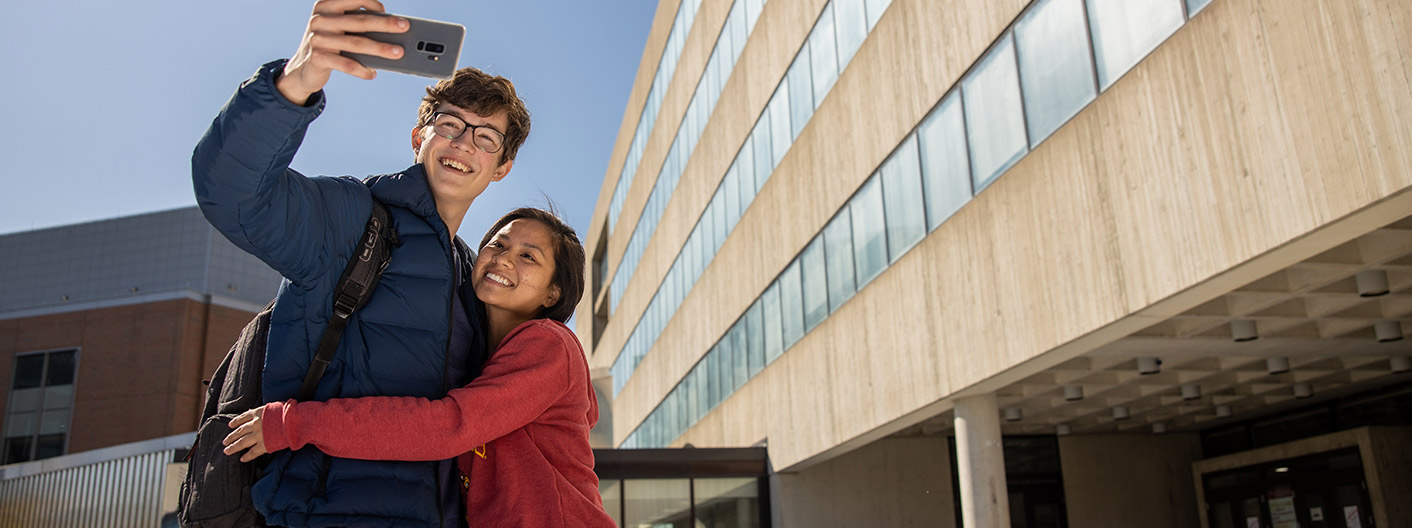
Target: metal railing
[[129, 485]]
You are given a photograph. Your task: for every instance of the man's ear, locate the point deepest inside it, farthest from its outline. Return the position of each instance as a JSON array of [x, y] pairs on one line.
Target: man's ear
[[502, 170], [416, 141]]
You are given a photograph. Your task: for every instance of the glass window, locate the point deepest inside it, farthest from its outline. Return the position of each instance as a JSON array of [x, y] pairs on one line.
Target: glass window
[[902, 197], [869, 232], [770, 310], [683, 134], [39, 407], [823, 54], [732, 198], [727, 502], [745, 185], [801, 97], [724, 61], [739, 31], [780, 137], [656, 502], [713, 377], [697, 395], [791, 305], [838, 247], [851, 25], [745, 165], [1125, 31], [740, 362], [693, 259], [945, 163], [993, 116], [29, 371], [875, 10], [1051, 44], [718, 217], [760, 143], [755, 338], [816, 287], [710, 83], [752, 11], [1195, 6]]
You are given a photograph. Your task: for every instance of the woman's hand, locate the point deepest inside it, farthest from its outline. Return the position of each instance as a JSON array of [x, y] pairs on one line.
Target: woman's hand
[[249, 434]]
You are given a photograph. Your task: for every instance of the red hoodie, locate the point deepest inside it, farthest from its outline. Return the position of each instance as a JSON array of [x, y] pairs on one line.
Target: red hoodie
[[519, 431]]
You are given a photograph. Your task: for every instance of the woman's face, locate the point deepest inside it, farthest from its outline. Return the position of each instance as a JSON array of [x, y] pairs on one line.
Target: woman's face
[[515, 271]]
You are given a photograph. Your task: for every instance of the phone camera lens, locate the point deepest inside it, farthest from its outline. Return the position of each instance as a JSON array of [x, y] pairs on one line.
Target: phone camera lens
[[433, 47]]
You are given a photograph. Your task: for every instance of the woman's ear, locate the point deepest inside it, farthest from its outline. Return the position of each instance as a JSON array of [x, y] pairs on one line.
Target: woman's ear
[[553, 297]]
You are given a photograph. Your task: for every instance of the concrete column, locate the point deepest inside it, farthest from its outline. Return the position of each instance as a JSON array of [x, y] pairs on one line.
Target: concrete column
[[980, 463]]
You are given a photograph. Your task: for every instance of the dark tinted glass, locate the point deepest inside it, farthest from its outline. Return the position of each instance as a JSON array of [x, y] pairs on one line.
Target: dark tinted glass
[[61, 369], [50, 445], [29, 371], [17, 449]]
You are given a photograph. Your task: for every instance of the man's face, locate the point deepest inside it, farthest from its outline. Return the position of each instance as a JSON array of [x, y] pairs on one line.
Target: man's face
[[457, 170]]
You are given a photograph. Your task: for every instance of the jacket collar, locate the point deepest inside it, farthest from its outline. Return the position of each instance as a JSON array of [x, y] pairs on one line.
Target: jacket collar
[[406, 189]]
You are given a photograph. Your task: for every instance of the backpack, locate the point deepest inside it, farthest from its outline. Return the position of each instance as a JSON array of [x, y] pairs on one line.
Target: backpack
[[216, 491]]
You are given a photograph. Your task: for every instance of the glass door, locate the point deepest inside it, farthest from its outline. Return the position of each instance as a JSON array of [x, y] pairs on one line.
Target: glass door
[[1326, 490]]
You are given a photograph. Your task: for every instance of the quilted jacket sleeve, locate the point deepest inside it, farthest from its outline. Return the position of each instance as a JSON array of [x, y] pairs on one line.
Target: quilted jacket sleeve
[[521, 381], [244, 186]]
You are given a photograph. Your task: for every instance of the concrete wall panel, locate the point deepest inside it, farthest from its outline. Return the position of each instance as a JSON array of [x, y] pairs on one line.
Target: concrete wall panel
[[1130, 480]]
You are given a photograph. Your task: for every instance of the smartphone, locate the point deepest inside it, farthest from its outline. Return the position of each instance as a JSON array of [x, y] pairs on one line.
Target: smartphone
[[431, 48]]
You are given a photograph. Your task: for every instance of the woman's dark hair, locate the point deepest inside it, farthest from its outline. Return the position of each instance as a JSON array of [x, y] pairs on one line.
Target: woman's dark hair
[[568, 259]]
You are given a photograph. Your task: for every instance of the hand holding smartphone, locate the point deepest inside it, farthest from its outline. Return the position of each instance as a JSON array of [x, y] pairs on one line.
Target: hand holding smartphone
[[431, 48]]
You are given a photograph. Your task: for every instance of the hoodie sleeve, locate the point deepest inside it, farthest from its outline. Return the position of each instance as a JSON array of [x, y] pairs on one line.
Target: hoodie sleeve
[[245, 188], [524, 378]]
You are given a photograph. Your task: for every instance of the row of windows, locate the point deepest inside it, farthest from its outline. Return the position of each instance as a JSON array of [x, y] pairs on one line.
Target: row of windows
[[835, 38], [736, 30], [956, 151], [671, 53]]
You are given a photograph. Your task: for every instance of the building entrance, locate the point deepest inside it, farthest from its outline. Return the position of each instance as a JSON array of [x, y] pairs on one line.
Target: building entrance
[[1325, 490]]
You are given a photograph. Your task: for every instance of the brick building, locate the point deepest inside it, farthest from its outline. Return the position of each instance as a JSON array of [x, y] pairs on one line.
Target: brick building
[[107, 328]]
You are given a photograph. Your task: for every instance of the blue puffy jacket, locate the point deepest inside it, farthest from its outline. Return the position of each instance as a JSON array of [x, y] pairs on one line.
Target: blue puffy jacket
[[396, 345]]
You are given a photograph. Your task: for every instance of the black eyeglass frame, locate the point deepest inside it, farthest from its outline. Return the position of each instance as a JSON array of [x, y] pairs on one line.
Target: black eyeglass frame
[[467, 127]]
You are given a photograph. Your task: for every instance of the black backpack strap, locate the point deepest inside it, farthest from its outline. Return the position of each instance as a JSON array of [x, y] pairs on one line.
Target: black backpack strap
[[355, 287]]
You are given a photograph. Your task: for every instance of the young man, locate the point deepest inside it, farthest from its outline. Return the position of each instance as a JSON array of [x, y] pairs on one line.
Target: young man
[[422, 333]]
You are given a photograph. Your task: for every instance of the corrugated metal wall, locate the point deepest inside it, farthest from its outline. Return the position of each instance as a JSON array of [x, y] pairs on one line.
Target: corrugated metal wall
[[121, 493]]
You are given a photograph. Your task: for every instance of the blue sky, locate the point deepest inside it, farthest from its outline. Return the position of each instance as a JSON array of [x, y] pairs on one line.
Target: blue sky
[[102, 102]]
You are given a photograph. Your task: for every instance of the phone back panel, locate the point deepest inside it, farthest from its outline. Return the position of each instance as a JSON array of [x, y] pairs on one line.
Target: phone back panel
[[431, 49]]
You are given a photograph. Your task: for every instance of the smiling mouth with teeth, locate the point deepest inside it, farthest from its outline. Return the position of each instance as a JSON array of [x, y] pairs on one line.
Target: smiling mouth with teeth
[[498, 279], [455, 165]]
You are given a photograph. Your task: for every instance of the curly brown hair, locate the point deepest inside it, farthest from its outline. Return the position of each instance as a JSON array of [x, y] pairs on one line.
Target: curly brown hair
[[568, 259], [483, 94]]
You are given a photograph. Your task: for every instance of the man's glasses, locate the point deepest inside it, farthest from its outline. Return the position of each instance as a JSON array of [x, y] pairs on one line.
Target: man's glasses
[[451, 127]]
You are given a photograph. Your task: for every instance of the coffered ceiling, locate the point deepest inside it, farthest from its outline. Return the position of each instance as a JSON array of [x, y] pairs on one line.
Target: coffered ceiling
[[1310, 315]]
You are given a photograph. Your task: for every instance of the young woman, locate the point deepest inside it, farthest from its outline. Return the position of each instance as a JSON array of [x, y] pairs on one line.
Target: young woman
[[519, 431]]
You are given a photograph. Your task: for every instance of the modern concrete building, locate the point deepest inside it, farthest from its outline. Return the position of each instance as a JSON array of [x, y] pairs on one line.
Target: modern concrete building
[[1019, 263], [107, 328]]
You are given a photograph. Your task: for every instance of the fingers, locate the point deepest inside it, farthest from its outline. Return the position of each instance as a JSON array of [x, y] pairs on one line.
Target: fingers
[[342, 6], [247, 435], [357, 22], [336, 43], [238, 441], [242, 419], [245, 438], [256, 451]]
